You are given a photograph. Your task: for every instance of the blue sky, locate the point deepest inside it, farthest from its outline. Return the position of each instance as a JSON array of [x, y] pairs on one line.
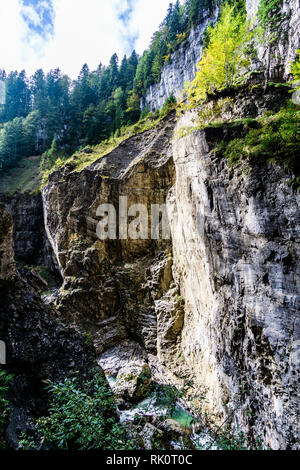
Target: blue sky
[[68, 33]]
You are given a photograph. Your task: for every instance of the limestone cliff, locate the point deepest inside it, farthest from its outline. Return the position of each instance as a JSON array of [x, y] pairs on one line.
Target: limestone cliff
[[237, 271], [7, 265], [217, 303], [278, 53], [180, 68]]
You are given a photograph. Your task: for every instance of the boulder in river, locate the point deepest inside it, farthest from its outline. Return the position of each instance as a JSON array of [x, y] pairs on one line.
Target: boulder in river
[[133, 382]]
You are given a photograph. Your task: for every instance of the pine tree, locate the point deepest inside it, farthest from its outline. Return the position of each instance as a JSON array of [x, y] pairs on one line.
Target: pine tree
[[114, 72]]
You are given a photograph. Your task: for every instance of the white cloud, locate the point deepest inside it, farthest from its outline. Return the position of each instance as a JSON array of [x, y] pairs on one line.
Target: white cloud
[[30, 14], [14, 52], [84, 31]]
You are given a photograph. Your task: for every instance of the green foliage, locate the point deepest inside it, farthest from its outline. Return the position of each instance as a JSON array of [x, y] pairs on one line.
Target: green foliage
[[144, 113], [295, 68], [84, 157], [81, 417], [225, 59], [227, 439], [5, 379], [276, 139], [133, 106], [168, 105]]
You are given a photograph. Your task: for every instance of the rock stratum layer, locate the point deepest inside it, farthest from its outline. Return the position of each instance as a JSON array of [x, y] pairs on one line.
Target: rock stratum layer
[[217, 303]]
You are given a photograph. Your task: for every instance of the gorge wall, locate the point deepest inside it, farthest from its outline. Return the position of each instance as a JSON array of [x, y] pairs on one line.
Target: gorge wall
[[217, 303], [180, 68], [38, 346], [275, 57]]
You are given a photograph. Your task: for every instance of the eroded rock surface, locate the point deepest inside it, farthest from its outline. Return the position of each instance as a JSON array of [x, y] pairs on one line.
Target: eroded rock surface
[[38, 346], [236, 257], [133, 382], [274, 56], [110, 287], [219, 302], [7, 266]]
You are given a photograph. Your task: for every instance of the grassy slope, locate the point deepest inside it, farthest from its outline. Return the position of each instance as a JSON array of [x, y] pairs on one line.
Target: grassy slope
[[86, 156]]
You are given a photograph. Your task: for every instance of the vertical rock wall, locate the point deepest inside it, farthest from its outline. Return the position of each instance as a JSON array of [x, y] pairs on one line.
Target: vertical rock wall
[[181, 68], [236, 257], [281, 52]]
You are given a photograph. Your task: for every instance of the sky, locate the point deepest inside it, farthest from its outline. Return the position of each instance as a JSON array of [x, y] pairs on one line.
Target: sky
[[68, 33]]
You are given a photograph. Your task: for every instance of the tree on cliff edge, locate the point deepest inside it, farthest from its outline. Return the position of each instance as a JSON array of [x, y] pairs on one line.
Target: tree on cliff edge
[[225, 58]]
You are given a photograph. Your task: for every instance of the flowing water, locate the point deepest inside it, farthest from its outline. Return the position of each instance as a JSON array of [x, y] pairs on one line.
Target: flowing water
[[153, 406]]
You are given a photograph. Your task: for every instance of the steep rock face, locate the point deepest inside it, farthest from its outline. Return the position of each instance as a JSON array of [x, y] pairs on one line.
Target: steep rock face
[[111, 287], [31, 245], [38, 347], [277, 57], [181, 67], [218, 303], [236, 257]]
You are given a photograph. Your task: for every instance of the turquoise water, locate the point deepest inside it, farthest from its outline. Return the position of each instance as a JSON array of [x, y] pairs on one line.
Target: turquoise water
[[153, 406], [149, 407], [182, 417]]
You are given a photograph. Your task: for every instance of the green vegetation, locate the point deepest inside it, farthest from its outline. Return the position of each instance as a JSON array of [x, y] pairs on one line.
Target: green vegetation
[[172, 32], [5, 379], [64, 121], [25, 177], [295, 70], [50, 114], [84, 157], [208, 115], [274, 138], [81, 417], [269, 14], [225, 59]]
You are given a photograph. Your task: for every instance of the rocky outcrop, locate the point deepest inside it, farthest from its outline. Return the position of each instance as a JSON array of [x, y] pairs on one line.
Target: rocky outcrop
[[180, 68], [218, 302]]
